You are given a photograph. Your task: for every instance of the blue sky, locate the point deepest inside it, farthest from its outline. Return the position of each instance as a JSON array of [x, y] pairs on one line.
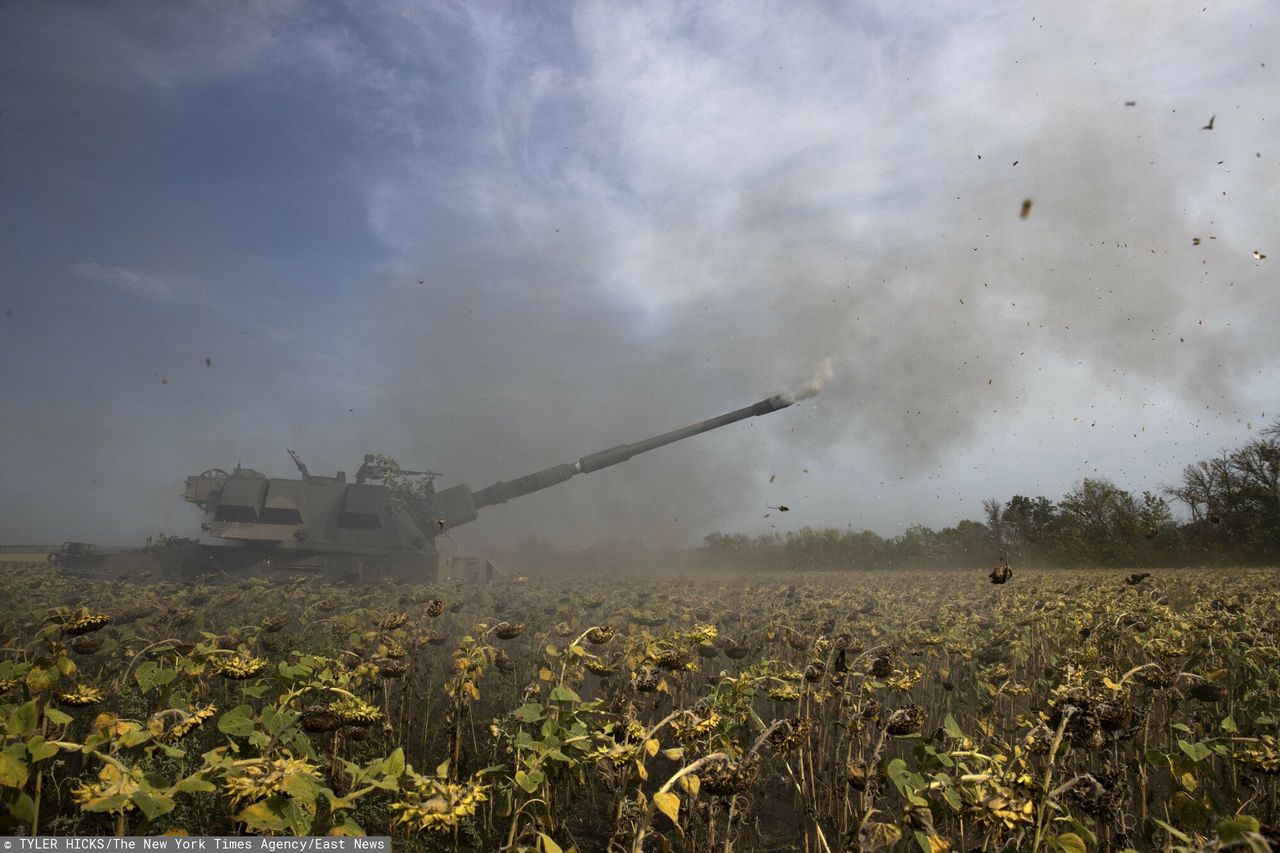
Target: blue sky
[[490, 238]]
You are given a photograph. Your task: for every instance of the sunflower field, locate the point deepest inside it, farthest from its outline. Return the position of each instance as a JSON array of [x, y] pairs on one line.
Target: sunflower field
[[1055, 711]]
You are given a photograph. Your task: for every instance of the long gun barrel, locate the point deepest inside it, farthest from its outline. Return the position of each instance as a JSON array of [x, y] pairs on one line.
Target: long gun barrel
[[458, 505]]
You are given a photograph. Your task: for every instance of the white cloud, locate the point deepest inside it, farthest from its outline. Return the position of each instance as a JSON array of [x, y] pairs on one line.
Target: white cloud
[[126, 280]]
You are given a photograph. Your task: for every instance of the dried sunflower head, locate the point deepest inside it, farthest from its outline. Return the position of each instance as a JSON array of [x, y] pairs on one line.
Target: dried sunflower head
[[1083, 725], [272, 624], [997, 672], [672, 660], [239, 666], [783, 693], [703, 633], [1114, 714], [906, 721], [1099, 794], [317, 719], [391, 667], [508, 630], [598, 666], [86, 624], [790, 734], [882, 666], [435, 608], [81, 697], [856, 774], [433, 804], [645, 679], [689, 725], [393, 620], [723, 776], [601, 634], [262, 778], [355, 712], [901, 682], [190, 723]]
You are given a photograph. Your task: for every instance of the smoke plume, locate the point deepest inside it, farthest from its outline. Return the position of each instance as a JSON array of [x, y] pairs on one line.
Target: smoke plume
[[822, 374]]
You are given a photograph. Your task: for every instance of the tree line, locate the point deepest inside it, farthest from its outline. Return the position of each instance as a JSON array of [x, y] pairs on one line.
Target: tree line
[[1232, 517]]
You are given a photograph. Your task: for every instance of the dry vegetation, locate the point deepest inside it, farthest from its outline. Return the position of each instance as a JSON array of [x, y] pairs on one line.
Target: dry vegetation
[[1059, 711]]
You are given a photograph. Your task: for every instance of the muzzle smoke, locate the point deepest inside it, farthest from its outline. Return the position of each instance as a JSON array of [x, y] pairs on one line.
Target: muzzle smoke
[[821, 376]]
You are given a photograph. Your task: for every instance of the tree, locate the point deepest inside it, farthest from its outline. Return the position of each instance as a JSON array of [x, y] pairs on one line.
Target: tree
[[1234, 499], [1100, 523], [1028, 527]]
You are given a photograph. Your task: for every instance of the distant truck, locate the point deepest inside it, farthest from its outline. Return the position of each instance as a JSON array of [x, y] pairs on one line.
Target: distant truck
[[71, 549]]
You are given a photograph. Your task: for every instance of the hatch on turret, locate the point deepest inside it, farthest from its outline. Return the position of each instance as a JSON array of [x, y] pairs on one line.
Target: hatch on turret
[[241, 499], [363, 506], [283, 504]]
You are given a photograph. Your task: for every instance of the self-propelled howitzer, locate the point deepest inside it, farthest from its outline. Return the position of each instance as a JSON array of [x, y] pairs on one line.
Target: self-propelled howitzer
[[383, 524]]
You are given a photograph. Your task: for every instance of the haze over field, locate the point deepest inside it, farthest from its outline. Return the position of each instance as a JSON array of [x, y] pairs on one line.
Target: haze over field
[[490, 241]]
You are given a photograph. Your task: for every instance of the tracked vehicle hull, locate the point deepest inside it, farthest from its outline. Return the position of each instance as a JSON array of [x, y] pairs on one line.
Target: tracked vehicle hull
[[197, 562]]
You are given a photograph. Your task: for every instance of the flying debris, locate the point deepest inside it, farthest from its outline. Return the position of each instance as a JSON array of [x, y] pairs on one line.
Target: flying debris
[[771, 477], [1001, 574], [1195, 241], [1209, 126], [1026, 209], [781, 508], [1258, 255], [1130, 103]]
